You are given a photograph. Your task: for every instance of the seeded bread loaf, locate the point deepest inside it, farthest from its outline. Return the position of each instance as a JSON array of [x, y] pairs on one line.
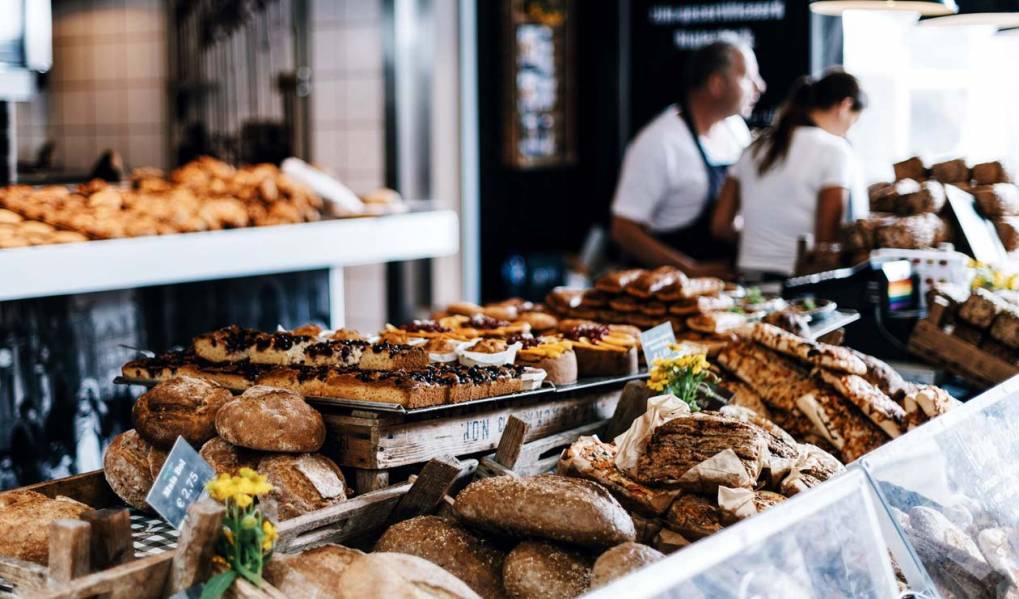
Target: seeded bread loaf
[[540, 570], [269, 419]]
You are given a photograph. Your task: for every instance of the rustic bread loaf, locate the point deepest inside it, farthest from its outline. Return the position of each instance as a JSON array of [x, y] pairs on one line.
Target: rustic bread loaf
[[270, 419], [1005, 327], [1000, 199], [989, 173], [450, 546], [548, 506], [622, 560], [300, 484], [226, 458], [951, 171], [182, 406], [813, 468], [911, 168], [130, 466], [981, 308], [388, 575], [540, 570], [310, 574], [694, 517], [25, 518]]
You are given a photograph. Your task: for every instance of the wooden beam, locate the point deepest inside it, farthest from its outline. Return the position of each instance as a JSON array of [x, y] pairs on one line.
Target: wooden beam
[[427, 491], [70, 550], [632, 405], [511, 442], [366, 481], [191, 562], [139, 579], [112, 543]]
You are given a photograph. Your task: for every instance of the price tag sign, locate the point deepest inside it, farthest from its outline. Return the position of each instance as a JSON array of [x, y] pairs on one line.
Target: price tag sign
[[656, 342], [180, 483]]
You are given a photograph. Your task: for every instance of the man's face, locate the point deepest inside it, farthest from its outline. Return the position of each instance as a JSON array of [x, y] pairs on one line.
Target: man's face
[[741, 85]]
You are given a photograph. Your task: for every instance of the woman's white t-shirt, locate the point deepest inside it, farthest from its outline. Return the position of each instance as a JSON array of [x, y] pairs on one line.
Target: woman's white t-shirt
[[781, 206]]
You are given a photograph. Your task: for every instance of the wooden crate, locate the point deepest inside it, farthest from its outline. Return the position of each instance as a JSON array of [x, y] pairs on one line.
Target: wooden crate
[[929, 342]]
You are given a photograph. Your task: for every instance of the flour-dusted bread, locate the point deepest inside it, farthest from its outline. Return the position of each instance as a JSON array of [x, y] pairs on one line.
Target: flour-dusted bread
[[389, 575], [227, 458], [310, 574], [300, 484], [270, 419], [548, 506], [540, 570], [622, 560], [25, 518], [449, 545], [182, 406], [130, 465]]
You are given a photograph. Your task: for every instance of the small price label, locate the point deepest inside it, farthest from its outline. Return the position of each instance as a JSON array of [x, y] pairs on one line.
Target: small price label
[[656, 342], [180, 483]]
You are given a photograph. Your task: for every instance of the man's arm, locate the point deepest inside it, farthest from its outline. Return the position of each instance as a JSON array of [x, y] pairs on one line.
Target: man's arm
[[639, 244]]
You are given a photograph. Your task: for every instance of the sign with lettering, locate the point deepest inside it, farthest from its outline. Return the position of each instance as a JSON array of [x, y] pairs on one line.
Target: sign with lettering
[[180, 483], [657, 342]]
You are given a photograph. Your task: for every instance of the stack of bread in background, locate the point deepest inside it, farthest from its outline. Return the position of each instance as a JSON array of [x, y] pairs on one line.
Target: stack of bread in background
[[272, 431], [983, 318]]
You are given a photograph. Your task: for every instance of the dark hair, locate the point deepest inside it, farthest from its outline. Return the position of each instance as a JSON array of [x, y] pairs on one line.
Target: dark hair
[[708, 60], [807, 94]]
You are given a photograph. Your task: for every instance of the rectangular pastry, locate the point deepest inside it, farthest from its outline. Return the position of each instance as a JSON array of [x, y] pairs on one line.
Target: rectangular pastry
[[1008, 232], [874, 404], [229, 344], [951, 171], [615, 282], [929, 198], [989, 173], [653, 281], [981, 308], [816, 354], [913, 232], [911, 168]]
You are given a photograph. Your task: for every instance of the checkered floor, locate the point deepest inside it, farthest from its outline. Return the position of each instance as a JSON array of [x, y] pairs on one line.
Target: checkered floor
[[151, 534]]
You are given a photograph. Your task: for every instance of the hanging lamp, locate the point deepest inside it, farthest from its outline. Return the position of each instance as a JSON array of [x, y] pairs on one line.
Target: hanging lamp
[[927, 8]]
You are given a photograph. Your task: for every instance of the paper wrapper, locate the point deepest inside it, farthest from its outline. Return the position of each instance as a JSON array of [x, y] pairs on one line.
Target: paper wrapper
[[738, 504], [532, 378], [632, 443], [505, 357], [724, 469]]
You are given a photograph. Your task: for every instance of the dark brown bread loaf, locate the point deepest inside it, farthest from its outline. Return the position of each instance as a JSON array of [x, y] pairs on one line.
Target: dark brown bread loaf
[[951, 171], [1005, 328], [929, 198], [25, 518], [226, 458], [549, 506], [182, 406], [622, 560], [130, 466], [539, 570], [694, 517], [989, 173], [389, 575], [300, 484], [913, 232], [452, 547], [911, 168], [310, 574], [981, 308], [271, 419], [1008, 232]]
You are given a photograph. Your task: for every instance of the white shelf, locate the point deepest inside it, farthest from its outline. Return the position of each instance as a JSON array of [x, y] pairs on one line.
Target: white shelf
[[42, 271]]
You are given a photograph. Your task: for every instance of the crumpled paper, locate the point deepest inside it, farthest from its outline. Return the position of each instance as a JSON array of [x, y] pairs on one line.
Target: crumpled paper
[[722, 469], [632, 443], [738, 503]]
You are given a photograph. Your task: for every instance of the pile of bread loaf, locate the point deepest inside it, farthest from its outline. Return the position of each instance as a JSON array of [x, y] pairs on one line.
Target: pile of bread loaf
[[272, 431], [203, 195], [984, 318]]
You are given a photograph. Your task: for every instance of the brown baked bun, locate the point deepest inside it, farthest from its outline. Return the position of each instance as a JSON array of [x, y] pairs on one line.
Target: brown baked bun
[[25, 518], [182, 406], [540, 321], [388, 575], [553, 507], [130, 466], [300, 484], [464, 309], [311, 573], [226, 458], [540, 570], [450, 546], [271, 419], [622, 560]]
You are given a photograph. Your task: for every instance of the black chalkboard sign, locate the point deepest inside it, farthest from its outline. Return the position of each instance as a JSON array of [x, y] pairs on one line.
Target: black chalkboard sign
[[180, 483], [663, 33]]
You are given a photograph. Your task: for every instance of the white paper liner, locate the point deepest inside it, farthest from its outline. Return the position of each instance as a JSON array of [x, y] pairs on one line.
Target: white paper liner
[[453, 356], [532, 378], [503, 358]]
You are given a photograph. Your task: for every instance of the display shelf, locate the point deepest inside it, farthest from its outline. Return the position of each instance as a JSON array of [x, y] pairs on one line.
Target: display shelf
[[42, 271]]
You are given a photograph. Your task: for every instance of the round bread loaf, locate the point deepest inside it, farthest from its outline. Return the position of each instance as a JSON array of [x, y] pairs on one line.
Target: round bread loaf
[[621, 560], [300, 484], [25, 518], [130, 466], [387, 575], [548, 506], [311, 574], [540, 570], [539, 321], [226, 458], [271, 419], [450, 546], [182, 406]]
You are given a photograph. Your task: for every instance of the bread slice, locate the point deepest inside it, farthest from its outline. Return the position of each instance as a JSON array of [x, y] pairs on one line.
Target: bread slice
[[595, 359], [337, 352], [229, 344], [388, 356]]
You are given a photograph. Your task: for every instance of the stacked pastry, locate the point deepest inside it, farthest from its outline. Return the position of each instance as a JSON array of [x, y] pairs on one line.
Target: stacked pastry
[[986, 319], [833, 396], [269, 430], [17, 231]]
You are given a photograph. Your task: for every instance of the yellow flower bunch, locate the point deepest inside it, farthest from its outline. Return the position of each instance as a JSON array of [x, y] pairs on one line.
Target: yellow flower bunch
[[988, 277], [680, 375]]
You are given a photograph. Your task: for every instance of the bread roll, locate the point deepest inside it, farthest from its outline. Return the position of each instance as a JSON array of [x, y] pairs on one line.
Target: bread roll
[[226, 458], [310, 574], [388, 575], [300, 484], [539, 570], [911, 168], [270, 419], [548, 506], [622, 560], [130, 466], [951, 171], [182, 406], [450, 546], [25, 518]]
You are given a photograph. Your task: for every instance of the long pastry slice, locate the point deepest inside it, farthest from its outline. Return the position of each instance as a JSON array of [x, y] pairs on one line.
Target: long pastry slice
[[653, 281], [874, 404], [817, 354], [229, 344], [615, 282], [366, 356], [840, 424], [236, 376]]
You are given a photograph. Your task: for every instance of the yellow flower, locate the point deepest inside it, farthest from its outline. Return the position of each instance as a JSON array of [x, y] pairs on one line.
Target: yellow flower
[[242, 500], [249, 522], [219, 561], [248, 473], [269, 530], [229, 534]]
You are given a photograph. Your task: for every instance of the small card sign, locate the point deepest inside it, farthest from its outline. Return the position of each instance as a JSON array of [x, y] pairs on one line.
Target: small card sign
[[656, 342], [180, 483]]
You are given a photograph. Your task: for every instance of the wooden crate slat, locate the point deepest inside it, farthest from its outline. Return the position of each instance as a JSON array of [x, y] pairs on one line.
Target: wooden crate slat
[[930, 342], [143, 579], [89, 488], [349, 518], [23, 575]]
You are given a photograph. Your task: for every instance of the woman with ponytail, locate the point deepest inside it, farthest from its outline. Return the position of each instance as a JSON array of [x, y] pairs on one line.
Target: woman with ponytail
[[795, 179]]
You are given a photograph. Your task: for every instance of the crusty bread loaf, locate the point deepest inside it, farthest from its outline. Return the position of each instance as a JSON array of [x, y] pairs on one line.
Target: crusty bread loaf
[[226, 458], [622, 560], [912, 168], [388, 575], [25, 517], [182, 406], [131, 465], [548, 506], [300, 484], [449, 545], [269, 419], [694, 517], [540, 570], [310, 574]]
